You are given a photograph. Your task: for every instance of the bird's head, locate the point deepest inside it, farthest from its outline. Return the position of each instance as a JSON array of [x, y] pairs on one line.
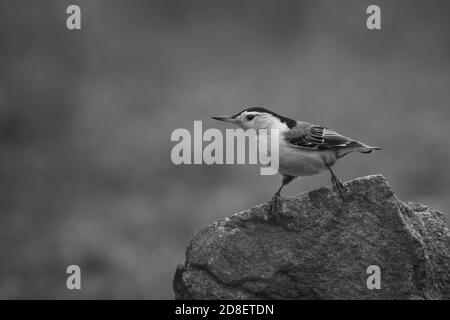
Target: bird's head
[[259, 118]]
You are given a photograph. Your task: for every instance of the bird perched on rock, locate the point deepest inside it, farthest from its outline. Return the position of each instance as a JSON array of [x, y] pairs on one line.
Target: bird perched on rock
[[304, 148]]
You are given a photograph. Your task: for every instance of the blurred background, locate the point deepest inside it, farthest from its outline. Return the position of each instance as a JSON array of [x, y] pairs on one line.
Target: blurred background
[[86, 116]]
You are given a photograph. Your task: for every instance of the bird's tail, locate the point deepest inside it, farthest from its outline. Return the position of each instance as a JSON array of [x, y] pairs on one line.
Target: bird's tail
[[355, 146]]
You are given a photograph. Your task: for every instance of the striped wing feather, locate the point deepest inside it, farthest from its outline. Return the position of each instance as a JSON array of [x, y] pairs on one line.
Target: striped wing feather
[[318, 138]]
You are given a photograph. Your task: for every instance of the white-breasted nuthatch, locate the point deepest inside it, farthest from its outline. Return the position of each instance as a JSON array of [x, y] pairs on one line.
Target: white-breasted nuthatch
[[304, 148]]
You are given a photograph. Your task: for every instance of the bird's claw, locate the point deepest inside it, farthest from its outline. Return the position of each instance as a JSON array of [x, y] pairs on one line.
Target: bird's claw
[[274, 207], [339, 186]]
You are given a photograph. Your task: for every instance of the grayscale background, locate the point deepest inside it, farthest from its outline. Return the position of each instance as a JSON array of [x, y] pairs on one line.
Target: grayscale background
[[86, 117]]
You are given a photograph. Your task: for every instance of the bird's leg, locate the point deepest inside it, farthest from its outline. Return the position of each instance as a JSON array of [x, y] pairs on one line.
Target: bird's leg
[[337, 184], [275, 202]]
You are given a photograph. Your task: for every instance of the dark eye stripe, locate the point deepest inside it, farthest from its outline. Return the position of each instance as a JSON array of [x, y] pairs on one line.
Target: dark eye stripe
[[250, 117]]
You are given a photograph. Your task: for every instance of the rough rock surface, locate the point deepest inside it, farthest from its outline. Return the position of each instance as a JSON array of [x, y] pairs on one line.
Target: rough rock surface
[[320, 248]]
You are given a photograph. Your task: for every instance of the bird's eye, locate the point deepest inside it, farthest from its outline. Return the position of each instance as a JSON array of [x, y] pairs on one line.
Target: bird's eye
[[250, 117]]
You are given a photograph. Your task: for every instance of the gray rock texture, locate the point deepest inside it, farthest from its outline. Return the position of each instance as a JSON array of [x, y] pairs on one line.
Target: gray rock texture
[[320, 248]]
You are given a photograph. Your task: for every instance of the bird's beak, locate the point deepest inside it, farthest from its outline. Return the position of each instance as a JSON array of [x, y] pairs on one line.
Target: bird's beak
[[225, 119]]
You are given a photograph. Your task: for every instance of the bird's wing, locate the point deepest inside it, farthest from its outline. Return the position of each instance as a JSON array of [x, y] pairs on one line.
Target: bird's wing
[[314, 137]]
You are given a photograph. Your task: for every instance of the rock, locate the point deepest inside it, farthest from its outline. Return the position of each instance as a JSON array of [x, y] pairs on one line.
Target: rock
[[320, 248]]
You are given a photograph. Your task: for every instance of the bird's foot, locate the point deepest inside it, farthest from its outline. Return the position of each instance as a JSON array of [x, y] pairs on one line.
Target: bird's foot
[[339, 187], [274, 207]]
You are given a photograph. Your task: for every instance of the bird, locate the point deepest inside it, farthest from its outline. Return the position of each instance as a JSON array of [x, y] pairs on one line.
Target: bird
[[305, 149]]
